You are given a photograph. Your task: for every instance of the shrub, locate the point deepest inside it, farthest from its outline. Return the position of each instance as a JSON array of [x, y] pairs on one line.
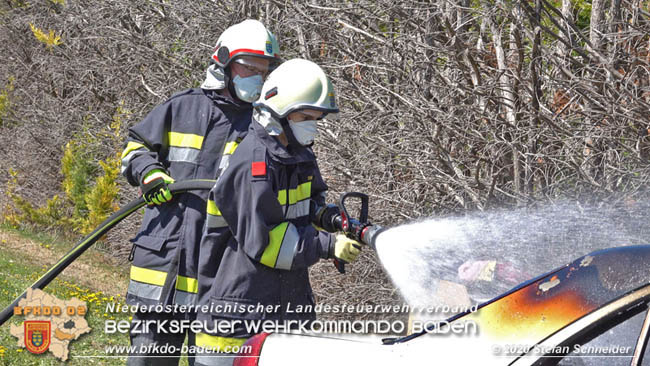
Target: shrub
[[90, 186]]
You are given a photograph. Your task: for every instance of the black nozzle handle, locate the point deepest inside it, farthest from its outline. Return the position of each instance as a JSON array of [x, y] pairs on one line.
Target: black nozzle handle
[[341, 221], [340, 265], [363, 214]]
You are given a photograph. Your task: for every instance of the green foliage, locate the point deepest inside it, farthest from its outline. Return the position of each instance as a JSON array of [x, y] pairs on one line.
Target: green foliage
[[48, 215], [100, 200], [18, 3], [177, 46], [50, 39], [581, 12], [10, 216], [20, 270], [90, 186], [76, 171], [5, 101]]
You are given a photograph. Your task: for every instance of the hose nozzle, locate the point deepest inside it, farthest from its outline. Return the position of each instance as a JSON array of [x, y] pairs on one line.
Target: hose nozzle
[[333, 218], [369, 235]]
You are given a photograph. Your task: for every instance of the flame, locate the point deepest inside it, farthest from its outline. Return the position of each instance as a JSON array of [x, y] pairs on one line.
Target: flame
[[529, 315]]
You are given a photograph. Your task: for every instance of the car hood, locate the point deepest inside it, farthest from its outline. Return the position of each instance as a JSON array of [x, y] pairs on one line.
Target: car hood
[[593, 288]]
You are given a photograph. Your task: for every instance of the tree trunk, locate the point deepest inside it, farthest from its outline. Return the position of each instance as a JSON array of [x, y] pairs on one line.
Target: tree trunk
[[597, 23]]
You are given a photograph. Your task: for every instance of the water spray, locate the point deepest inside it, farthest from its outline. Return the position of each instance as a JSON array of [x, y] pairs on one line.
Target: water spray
[[487, 253]]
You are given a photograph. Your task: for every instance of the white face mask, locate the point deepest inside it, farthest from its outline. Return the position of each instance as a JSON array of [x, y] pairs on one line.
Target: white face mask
[[248, 89], [304, 131]]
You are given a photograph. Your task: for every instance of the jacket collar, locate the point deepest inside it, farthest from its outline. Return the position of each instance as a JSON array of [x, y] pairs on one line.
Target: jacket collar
[[222, 100], [277, 151]]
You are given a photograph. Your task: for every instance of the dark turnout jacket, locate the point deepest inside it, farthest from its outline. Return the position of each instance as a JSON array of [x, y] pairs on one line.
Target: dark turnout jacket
[[259, 241], [185, 136]]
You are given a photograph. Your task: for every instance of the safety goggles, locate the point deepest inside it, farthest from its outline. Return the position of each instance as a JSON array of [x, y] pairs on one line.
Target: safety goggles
[[256, 68]]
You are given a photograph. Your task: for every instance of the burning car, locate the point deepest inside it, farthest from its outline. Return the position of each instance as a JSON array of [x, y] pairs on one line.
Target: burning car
[[592, 311]]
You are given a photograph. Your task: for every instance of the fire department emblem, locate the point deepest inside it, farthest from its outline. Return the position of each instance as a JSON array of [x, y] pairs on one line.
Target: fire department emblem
[[37, 335], [332, 100], [269, 47]]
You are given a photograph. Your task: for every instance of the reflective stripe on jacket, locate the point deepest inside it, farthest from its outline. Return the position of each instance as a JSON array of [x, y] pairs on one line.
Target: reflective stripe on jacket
[[186, 137], [259, 241]]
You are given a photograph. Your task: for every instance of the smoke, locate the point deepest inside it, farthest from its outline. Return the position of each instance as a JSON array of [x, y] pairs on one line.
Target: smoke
[[491, 252]]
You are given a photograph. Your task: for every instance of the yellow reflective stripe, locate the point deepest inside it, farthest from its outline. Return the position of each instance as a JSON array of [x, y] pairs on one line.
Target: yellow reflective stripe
[[270, 255], [218, 343], [213, 209], [303, 191], [282, 197], [130, 146], [293, 197], [185, 140], [150, 276], [230, 147], [187, 284]]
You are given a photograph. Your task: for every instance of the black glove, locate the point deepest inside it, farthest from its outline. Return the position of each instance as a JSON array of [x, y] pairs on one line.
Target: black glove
[[323, 218]]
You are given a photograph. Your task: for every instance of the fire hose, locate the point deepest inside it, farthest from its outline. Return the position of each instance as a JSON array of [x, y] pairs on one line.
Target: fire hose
[[332, 218], [90, 239]]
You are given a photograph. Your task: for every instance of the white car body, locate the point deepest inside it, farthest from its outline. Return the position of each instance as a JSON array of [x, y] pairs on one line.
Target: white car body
[[543, 321]]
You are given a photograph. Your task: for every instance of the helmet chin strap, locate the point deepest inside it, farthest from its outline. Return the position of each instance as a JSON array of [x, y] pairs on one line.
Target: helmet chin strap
[[288, 132], [228, 79]]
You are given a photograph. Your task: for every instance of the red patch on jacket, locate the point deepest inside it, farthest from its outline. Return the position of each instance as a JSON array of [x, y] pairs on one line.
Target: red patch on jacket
[[258, 168]]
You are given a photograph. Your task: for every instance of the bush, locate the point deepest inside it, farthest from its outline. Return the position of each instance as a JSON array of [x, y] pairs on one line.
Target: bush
[[100, 199], [76, 172], [86, 204]]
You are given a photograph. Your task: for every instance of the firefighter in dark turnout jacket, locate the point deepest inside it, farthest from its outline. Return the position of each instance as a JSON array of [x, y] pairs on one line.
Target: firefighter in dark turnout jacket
[[259, 239], [190, 136]]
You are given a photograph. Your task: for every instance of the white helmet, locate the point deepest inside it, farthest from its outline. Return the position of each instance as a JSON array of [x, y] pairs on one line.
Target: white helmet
[[250, 38], [297, 84]]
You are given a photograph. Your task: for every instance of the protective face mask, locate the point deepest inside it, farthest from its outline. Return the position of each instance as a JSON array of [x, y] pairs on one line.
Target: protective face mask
[[248, 89], [270, 123], [304, 131]]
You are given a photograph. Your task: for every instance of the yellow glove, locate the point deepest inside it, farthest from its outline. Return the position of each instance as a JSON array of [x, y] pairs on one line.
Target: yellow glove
[[346, 249], [154, 187]]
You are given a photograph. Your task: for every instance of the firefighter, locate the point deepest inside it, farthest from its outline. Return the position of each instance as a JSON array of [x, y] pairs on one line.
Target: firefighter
[[189, 136], [259, 239]]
